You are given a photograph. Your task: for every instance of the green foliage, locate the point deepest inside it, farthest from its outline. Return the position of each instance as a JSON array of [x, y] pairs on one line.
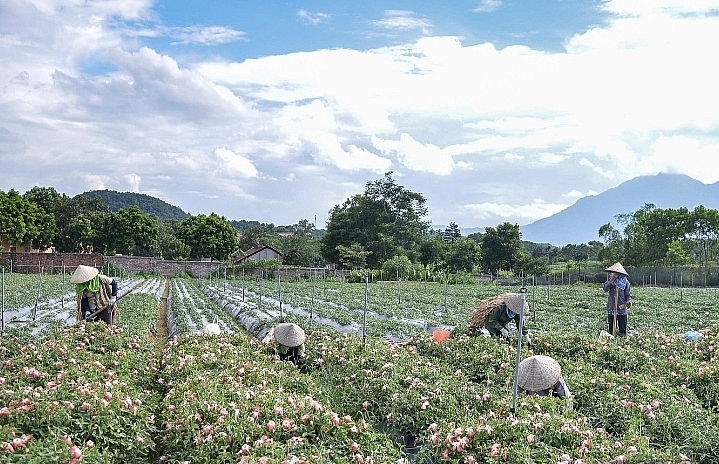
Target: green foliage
[[386, 220], [208, 237], [19, 219], [399, 267], [301, 250], [501, 247], [130, 232], [149, 205]]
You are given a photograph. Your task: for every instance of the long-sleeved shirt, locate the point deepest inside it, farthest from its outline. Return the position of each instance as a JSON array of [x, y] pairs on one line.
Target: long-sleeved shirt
[[622, 288], [498, 318]]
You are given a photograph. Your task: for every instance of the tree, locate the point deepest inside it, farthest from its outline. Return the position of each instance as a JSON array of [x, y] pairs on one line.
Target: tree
[[462, 256], [168, 245], [66, 209], [676, 256], [501, 247], [398, 267], [18, 218], [385, 220], [432, 250], [208, 237], [353, 256], [528, 265], [131, 232], [301, 251], [452, 233]]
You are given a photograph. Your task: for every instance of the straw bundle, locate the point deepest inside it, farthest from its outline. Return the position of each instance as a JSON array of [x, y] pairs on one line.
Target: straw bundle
[[484, 307]]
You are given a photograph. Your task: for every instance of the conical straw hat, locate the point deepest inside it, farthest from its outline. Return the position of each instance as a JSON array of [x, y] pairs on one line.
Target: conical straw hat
[[514, 303], [289, 334], [537, 373], [83, 274], [617, 267]]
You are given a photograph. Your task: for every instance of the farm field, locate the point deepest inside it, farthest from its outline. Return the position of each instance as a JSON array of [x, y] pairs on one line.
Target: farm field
[[98, 394]]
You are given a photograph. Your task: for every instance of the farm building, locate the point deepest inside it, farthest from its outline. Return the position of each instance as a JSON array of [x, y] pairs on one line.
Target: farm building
[[258, 253]]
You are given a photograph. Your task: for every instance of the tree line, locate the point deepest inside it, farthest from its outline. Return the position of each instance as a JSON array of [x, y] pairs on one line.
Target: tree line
[[669, 237], [383, 228]]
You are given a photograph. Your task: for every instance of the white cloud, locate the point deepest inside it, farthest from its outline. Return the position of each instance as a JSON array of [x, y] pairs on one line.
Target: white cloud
[[487, 6], [417, 156], [551, 158], [205, 35], [635, 95], [522, 214], [231, 164], [313, 19], [402, 20], [573, 194]]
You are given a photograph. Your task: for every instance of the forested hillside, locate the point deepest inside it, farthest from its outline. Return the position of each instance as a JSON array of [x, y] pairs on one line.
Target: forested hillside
[[149, 205]]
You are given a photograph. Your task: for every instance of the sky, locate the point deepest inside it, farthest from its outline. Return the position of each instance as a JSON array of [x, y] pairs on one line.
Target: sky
[[277, 111]]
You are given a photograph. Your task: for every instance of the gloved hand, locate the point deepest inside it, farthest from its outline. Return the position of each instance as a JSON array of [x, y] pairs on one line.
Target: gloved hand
[[504, 332], [529, 338], [113, 299]]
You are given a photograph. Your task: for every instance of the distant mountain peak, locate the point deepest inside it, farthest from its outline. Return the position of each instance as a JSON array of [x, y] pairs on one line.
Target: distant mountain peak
[[580, 222]]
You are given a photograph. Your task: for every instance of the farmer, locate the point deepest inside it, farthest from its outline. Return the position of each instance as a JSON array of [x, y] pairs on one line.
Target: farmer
[[504, 311], [619, 299], [289, 339], [96, 295], [541, 375]]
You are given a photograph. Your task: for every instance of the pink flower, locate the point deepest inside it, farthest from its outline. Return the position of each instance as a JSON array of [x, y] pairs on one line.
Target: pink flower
[[621, 459], [530, 438], [271, 426]]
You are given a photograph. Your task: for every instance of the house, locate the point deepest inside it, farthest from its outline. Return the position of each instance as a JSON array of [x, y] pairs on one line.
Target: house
[[262, 252]]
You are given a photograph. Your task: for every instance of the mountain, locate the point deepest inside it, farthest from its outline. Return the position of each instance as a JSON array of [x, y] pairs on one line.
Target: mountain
[[149, 205], [580, 222]]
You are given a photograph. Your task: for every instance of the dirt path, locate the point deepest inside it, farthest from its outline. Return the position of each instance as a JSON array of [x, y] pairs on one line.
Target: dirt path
[[161, 337]]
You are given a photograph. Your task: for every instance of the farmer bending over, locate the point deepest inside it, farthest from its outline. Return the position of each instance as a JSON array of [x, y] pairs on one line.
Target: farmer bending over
[[503, 313], [542, 375], [96, 295], [289, 339]]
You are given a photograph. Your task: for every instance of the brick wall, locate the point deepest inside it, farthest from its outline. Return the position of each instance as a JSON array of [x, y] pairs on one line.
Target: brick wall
[[50, 263]]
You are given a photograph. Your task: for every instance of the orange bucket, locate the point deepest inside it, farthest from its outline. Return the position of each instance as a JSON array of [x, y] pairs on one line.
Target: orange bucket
[[440, 335]]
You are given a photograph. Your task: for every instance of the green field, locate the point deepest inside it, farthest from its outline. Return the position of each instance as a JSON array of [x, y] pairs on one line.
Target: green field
[[124, 395]]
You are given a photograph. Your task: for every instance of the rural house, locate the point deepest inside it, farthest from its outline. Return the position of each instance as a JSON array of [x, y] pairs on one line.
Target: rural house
[[258, 253]]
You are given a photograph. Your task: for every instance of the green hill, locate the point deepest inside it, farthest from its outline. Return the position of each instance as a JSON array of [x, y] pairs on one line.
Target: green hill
[[149, 205]]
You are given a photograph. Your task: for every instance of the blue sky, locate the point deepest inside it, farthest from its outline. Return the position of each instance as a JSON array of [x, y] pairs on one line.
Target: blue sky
[[494, 110]]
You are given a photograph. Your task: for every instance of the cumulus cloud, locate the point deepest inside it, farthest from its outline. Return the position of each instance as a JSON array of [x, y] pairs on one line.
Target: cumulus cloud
[[417, 156], [634, 95], [231, 164], [313, 19]]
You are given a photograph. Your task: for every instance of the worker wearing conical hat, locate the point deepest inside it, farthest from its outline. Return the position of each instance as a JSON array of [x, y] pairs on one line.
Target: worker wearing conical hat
[[502, 314], [619, 299], [96, 295], [289, 339], [542, 375]]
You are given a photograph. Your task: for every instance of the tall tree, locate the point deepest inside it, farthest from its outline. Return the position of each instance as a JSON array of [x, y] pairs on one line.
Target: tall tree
[[18, 218], [386, 220], [452, 233], [130, 231], [501, 247], [209, 237]]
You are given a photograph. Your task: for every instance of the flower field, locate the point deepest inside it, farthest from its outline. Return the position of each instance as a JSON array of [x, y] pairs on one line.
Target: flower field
[[96, 394]]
